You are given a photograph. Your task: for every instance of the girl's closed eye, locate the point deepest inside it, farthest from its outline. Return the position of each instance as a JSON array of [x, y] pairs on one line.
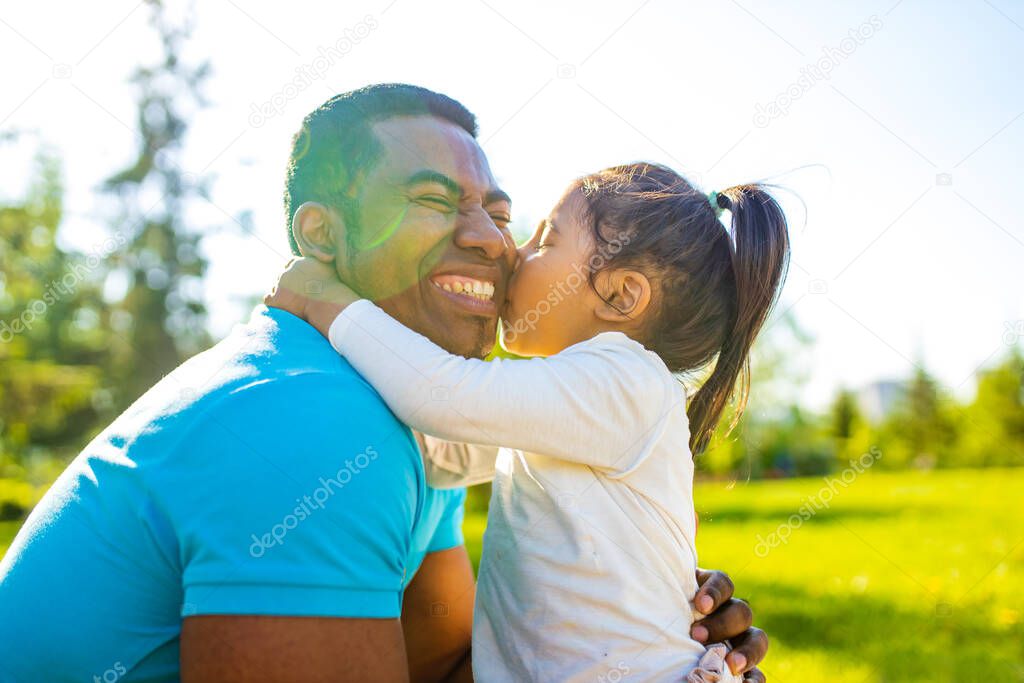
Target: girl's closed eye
[[544, 239]]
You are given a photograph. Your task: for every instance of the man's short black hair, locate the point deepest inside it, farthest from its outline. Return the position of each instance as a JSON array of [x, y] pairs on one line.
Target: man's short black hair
[[336, 142]]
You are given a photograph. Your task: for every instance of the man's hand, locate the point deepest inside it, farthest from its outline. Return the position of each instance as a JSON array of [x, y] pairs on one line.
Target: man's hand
[[728, 619], [310, 289]]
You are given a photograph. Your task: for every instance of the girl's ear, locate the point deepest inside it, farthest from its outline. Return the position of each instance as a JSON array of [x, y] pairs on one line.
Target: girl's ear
[[316, 229], [626, 295]]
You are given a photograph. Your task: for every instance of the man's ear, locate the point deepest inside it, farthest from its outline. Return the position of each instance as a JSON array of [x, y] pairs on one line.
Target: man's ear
[[316, 230], [626, 294]]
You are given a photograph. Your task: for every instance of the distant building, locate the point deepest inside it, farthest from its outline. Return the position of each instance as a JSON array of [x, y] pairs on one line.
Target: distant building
[[878, 399]]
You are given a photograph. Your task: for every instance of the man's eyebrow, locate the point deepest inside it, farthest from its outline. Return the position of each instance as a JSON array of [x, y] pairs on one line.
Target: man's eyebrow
[[428, 176], [551, 225]]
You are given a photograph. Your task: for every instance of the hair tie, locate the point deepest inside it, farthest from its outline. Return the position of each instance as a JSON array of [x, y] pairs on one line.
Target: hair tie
[[719, 202]]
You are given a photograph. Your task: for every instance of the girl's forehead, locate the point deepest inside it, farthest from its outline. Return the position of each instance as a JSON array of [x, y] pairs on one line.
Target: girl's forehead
[[569, 217], [571, 208]]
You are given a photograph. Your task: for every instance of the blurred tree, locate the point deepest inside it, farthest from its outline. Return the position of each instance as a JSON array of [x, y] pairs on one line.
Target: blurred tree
[[162, 316], [52, 330], [848, 428], [920, 430], [845, 415], [992, 426]]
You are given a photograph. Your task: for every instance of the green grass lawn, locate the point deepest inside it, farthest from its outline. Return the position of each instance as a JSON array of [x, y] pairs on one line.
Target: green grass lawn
[[903, 577]]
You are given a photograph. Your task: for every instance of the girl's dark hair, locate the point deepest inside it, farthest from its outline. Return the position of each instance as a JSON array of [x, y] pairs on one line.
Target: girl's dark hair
[[712, 293]]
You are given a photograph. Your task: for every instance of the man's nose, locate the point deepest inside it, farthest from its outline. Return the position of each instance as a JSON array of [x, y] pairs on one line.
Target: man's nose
[[476, 231]]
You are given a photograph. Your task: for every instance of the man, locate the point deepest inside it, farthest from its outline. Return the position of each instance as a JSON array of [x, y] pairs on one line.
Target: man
[[259, 515]]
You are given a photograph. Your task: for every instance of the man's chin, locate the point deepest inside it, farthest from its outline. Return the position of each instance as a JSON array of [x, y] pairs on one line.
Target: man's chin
[[474, 340], [454, 330], [484, 350]]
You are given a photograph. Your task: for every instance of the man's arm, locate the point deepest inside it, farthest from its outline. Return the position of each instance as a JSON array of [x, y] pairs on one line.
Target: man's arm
[[437, 618], [293, 503], [258, 649]]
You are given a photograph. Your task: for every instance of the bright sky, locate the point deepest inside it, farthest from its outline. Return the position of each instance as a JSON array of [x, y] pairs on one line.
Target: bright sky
[[912, 244]]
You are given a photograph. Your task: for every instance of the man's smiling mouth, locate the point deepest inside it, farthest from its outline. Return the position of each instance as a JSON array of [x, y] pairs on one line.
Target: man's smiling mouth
[[482, 290], [470, 294]]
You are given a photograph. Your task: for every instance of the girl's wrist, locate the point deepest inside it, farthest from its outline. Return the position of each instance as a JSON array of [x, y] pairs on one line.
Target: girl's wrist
[[321, 313]]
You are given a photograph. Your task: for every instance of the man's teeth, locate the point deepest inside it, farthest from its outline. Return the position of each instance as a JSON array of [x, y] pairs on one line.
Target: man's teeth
[[477, 289]]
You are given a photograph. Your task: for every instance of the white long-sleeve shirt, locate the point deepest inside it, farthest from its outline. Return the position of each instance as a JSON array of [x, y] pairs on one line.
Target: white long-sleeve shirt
[[588, 565]]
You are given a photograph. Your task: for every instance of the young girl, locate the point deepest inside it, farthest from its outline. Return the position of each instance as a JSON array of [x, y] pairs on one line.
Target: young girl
[[589, 557]]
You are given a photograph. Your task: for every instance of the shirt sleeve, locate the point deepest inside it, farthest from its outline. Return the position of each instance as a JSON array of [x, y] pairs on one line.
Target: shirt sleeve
[[296, 498], [449, 530], [602, 403], [449, 464]]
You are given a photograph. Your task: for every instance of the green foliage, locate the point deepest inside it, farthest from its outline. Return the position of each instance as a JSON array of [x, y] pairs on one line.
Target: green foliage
[[991, 428], [925, 428], [920, 430], [52, 346], [16, 499], [845, 415], [72, 358], [162, 314]]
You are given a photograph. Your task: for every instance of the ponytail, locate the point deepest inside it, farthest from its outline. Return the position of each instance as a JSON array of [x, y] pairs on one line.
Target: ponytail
[[714, 291], [760, 258]]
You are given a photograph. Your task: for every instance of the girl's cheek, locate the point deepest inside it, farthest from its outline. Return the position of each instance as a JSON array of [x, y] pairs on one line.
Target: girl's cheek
[[518, 286]]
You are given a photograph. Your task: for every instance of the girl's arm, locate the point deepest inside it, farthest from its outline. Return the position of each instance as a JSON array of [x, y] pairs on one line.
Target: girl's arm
[[310, 290], [600, 404]]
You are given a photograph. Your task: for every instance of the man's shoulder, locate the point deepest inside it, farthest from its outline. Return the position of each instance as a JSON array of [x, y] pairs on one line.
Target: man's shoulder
[[282, 361], [286, 415], [275, 376], [310, 404]]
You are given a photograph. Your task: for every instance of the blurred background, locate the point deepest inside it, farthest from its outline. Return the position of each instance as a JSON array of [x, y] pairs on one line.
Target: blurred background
[[868, 502]]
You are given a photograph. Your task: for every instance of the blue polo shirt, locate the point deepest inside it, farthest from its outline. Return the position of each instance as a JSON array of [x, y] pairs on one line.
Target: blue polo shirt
[[264, 476]]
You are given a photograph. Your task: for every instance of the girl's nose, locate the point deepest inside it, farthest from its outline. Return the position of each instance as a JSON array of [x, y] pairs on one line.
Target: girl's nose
[[511, 250], [519, 256]]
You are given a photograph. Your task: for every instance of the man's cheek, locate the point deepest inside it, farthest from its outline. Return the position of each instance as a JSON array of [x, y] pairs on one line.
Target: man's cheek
[[401, 262], [384, 273]]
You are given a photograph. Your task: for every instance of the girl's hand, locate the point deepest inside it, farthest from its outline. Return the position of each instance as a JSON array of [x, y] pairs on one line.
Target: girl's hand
[[310, 289]]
